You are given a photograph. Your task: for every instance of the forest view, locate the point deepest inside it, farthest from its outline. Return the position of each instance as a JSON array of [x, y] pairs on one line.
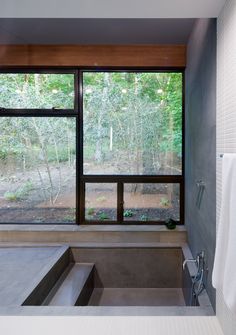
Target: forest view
[[132, 125]]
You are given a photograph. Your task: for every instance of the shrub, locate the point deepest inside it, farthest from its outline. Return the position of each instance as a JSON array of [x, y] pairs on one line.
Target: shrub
[[10, 196], [103, 216], [144, 217], [128, 213], [90, 211], [20, 193], [164, 202]]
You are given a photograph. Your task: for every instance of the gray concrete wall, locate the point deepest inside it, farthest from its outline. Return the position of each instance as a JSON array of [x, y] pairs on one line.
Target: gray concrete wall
[[133, 267], [200, 142]]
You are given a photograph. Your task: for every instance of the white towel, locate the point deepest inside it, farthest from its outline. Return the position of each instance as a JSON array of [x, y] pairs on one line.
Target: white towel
[[224, 271]]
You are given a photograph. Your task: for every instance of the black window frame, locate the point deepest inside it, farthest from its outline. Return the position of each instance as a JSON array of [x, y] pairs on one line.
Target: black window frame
[[77, 113]]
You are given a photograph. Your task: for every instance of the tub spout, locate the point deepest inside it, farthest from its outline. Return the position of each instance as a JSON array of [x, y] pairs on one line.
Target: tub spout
[[199, 260], [187, 261]]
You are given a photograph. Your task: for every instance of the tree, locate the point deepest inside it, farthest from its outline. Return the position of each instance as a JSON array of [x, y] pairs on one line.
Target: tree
[[144, 111]]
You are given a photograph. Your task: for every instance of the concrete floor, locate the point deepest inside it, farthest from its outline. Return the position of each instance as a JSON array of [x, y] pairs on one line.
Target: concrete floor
[[20, 269], [137, 297]]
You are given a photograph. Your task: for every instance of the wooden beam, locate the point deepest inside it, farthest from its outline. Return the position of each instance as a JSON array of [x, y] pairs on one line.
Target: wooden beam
[[93, 55]]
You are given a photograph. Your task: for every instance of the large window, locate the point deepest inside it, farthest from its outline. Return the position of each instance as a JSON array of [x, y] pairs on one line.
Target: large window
[[88, 147]]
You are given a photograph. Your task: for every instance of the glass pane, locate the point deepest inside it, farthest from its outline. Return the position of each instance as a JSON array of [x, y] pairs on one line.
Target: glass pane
[[132, 123], [151, 202], [37, 170], [25, 90], [101, 201]]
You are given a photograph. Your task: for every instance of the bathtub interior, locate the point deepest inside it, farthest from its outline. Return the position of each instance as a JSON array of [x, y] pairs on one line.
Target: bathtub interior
[[134, 276], [99, 277], [130, 276]]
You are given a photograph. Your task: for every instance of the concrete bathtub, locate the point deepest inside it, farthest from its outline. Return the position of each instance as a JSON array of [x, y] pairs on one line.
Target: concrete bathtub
[[103, 280], [116, 280]]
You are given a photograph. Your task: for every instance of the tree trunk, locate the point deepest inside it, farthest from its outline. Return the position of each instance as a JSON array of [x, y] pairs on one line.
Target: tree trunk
[[98, 151]]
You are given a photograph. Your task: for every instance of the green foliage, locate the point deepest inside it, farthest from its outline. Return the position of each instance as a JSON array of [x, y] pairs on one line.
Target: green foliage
[[37, 140], [103, 216], [69, 218], [20, 193], [3, 154], [39, 219], [164, 202], [144, 217], [36, 90], [90, 211], [89, 152], [10, 196], [62, 154], [25, 188], [128, 213], [142, 110]]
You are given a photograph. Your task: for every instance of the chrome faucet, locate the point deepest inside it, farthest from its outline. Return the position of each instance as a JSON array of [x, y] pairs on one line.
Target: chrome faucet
[[199, 260], [198, 278], [188, 261]]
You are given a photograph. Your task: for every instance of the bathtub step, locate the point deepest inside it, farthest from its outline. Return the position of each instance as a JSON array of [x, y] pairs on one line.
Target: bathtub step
[[74, 287]]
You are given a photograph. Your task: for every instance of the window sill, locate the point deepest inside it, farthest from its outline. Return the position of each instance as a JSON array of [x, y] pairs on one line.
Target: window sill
[[89, 228], [103, 234]]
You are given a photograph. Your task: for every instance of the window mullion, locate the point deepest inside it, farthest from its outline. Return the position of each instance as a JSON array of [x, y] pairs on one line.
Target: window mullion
[[120, 201]]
